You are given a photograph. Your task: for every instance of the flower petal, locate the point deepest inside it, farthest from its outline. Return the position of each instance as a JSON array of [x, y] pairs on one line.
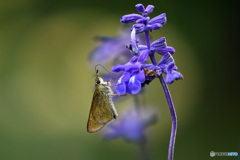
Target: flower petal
[[128, 90], [129, 18], [159, 19], [133, 35], [143, 20], [170, 67], [142, 47], [121, 87], [156, 26], [140, 76], [166, 59], [125, 77], [173, 76], [149, 9], [139, 27], [163, 51], [150, 66], [134, 85], [118, 68], [140, 8], [153, 26], [134, 46], [175, 67], [160, 43], [131, 67], [133, 59], [143, 56]]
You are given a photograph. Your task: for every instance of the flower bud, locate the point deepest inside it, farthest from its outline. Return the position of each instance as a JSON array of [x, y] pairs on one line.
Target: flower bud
[[129, 18]]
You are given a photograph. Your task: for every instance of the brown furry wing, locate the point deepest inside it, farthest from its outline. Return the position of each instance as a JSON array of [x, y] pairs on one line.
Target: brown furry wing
[[92, 125], [100, 112]]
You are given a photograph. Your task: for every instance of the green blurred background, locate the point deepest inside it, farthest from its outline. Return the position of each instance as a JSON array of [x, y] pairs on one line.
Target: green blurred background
[[46, 83]]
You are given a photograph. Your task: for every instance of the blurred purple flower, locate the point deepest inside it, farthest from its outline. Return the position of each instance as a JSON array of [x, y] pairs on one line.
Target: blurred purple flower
[[131, 125], [112, 49]]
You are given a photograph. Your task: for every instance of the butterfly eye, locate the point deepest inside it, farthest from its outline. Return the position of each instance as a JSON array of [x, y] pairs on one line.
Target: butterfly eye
[[97, 82]]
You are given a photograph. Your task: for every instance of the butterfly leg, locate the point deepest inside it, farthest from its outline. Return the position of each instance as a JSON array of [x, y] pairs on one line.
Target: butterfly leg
[[117, 94], [113, 85], [109, 82]]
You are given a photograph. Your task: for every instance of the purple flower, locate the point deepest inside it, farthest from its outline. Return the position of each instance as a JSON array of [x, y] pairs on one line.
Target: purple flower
[[166, 65], [130, 18], [131, 126], [133, 76], [143, 22]]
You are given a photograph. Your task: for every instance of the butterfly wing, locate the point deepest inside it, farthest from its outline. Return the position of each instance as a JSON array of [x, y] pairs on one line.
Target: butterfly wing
[[101, 111], [92, 125]]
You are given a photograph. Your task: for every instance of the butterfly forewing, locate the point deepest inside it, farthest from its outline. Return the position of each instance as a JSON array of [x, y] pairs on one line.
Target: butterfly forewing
[[102, 107], [101, 111], [92, 125]]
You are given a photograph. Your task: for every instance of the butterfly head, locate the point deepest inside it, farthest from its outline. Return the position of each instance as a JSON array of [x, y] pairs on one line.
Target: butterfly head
[[98, 80]]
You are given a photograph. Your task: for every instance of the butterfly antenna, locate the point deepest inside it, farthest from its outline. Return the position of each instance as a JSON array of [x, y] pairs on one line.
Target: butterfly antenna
[[105, 69]]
